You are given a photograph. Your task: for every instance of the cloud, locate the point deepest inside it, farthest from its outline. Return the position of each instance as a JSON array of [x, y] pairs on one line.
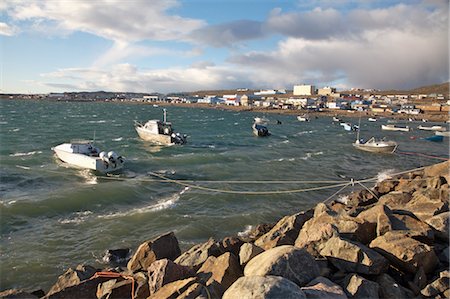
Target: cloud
[[7, 30], [228, 34], [114, 20]]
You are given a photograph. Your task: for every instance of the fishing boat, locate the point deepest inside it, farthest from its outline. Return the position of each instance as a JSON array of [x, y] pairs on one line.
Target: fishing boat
[[349, 127], [260, 130], [434, 138], [376, 146], [373, 119], [83, 154], [336, 119], [442, 133], [373, 145], [261, 120], [159, 132], [303, 117], [432, 128], [395, 128]]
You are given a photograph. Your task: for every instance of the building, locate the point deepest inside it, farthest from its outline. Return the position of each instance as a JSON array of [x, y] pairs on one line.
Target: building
[[304, 90], [326, 91]]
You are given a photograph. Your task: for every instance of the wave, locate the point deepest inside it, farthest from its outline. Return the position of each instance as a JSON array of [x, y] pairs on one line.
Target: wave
[[117, 139], [162, 204], [78, 217], [96, 121], [384, 175], [25, 154], [309, 155], [246, 231], [89, 176]]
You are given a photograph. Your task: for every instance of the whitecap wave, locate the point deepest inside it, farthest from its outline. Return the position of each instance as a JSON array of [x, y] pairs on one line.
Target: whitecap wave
[[385, 175], [96, 121], [25, 154], [90, 178], [117, 139], [23, 167], [246, 231], [162, 204], [309, 155], [77, 218]]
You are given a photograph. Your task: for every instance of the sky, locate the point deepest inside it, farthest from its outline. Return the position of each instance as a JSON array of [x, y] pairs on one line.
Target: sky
[[188, 45]]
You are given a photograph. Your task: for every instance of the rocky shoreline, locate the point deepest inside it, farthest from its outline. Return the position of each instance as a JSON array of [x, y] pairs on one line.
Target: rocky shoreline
[[389, 241]]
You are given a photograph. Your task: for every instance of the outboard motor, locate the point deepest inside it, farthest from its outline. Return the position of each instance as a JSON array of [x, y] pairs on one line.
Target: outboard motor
[[178, 138]]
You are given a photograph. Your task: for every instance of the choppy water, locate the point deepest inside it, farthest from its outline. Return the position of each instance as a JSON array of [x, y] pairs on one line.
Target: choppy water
[[54, 217]]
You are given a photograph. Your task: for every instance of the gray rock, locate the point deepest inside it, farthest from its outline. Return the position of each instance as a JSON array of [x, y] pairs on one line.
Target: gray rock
[[286, 261], [389, 288], [164, 271], [358, 287], [440, 223], [353, 257], [224, 269], [323, 288], [72, 277], [267, 287], [438, 286], [198, 254]]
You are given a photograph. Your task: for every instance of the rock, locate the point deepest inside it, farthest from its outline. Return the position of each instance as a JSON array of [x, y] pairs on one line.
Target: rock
[[385, 186], [404, 252], [117, 257], [230, 244], [426, 203], [84, 289], [420, 279], [224, 269], [165, 271], [115, 288], [436, 170], [438, 286], [256, 232], [267, 287], [389, 288], [353, 257], [380, 215], [414, 227], [323, 288], [72, 277], [440, 223], [286, 261], [358, 287], [313, 240], [141, 290], [444, 256], [362, 198], [410, 185], [15, 293], [164, 246], [247, 252], [284, 232], [395, 199], [198, 254], [178, 289]]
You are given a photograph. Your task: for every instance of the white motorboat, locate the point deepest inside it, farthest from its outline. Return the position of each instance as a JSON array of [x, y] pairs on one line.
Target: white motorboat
[[349, 127], [303, 117], [395, 128], [261, 120], [159, 132], [83, 154], [376, 146], [442, 133], [432, 128], [372, 119], [260, 130], [336, 119]]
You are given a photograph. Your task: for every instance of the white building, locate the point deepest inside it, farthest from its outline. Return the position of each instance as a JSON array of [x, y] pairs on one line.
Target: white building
[[304, 90]]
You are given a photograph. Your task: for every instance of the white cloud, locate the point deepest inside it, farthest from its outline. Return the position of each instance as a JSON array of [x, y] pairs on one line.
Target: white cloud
[[7, 30]]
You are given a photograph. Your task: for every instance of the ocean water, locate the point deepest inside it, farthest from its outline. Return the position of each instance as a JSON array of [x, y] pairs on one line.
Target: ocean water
[[54, 217]]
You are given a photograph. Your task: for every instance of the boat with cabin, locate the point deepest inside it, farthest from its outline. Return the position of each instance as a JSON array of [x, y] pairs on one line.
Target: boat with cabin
[[395, 128], [260, 130], [159, 132], [376, 146], [83, 154], [442, 133], [303, 117], [349, 127]]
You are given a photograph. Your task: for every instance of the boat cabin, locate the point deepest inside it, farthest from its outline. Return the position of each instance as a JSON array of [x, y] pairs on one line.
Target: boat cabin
[[159, 127]]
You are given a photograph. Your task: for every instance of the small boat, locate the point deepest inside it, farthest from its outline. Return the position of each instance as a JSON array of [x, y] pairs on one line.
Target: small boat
[[432, 128], [372, 119], [376, 146], [395, 128], [261, 120], [442, 133], [83, 154], [303, 117], [159, 132], [434, 138], [260, 130], [336, 119], [349, 127]]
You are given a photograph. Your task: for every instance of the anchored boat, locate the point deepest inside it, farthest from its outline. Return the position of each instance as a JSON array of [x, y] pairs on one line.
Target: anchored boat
[[159, 132], [432, 128], [260, 130], [395, 128], [83, 154], [376, 146]]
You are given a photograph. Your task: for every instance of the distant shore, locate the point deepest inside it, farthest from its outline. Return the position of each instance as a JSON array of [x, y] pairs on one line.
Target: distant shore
[[432, 117]]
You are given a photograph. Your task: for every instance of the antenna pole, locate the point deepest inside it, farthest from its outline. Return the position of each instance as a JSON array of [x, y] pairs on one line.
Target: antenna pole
[[164, 120]]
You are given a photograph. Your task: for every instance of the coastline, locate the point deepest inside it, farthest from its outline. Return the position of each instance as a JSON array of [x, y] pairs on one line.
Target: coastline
[[389, 241]]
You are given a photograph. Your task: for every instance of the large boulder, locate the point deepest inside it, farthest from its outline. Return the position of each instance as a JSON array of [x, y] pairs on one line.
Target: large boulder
[[405, 252], [264, 287], [164, 271], [224, 269], [247, 252], [358, 287], [17, 294], [414, 227], [115, 288], [436, 170], [427, 203], [313, 240], [437, 286], [164, 246], [285, 231], [351, 256], [72, 277], [230, 244], [198, 254], [440, 223], [286, 261], [389, 288], [323, 288], [395, 199], [186, 288], [380, 215]]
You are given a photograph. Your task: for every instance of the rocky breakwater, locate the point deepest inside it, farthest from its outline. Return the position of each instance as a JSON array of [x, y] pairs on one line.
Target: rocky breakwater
[[391, 241]]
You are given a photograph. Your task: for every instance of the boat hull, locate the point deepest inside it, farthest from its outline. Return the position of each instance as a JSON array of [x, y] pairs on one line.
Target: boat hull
[[86, 162], [158, 139], [393, 128], [376, 149]]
